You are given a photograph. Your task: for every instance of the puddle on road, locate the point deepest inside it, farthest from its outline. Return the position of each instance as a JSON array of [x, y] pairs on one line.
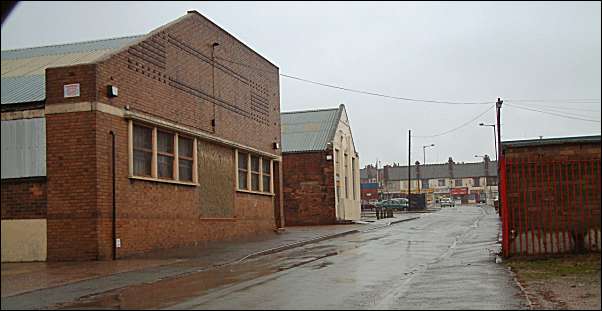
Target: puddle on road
[[174, 290], [167, 292]]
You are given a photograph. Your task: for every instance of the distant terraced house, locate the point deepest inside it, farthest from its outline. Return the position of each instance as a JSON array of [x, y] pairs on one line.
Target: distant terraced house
[[466, 182], [116, 147]]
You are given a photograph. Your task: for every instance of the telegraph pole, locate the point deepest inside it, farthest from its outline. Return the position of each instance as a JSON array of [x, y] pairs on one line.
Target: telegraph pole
[[409, 168], [498, 106]]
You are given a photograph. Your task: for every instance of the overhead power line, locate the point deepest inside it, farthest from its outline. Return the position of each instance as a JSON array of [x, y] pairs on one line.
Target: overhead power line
[[576, 101], [431, 101], [556, 110], [387, 96], [566, 107], [458, 127], [552, 113], [524, 101]]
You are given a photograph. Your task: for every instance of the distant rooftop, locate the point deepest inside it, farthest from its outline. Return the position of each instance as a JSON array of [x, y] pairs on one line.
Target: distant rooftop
[[431, 171]]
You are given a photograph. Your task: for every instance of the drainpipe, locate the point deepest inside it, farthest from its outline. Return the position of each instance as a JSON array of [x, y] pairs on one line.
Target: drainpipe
[[114, 213]]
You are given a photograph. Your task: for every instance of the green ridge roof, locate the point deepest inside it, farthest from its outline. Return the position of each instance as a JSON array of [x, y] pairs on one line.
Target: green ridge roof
[[309, 130]]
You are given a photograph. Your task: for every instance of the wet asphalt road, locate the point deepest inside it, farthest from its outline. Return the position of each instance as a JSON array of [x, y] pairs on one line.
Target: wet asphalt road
[[444, 260]]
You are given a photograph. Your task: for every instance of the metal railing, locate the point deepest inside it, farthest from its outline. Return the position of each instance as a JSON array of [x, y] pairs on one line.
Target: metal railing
[[550, 206]]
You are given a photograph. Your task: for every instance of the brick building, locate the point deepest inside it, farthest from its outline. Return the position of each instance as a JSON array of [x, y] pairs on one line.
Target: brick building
[[551, 196], [320, 168], [121, 146]]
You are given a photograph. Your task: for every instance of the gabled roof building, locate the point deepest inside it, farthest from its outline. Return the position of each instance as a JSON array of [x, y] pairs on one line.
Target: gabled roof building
[[320, 167], [112, 148]]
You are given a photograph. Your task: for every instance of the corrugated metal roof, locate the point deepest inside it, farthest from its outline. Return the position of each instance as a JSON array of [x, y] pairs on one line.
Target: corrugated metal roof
[[308, 130], [23, 69], [551, 141], [68, 48], [23, 89]]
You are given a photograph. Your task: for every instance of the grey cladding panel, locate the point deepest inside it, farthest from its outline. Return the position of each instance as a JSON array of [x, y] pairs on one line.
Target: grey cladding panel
[[24, 148]]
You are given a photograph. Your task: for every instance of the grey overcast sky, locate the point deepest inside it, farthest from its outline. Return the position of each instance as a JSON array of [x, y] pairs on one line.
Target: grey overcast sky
[[449, 51]]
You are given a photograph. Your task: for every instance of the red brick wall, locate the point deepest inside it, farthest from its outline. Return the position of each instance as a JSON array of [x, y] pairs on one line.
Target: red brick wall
[[168, 76], [72, 188], [153, 215], [24, 198], [308, 187]]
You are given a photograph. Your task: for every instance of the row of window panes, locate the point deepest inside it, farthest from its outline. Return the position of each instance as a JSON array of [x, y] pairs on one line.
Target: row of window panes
[[258, 176], [166, 157], [458, 182]]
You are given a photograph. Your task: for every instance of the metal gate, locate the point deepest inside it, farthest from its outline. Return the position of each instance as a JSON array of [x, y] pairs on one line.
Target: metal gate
[[550, 206]]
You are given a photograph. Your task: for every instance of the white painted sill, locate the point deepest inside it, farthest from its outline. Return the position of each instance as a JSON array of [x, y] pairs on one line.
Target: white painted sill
[[255, 192], [167, 181]]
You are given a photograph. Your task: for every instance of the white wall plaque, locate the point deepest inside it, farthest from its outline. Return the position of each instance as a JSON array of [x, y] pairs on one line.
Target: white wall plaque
[[71, 90]]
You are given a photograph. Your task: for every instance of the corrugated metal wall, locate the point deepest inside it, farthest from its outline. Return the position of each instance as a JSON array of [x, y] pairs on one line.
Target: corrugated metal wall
[[24, 148]]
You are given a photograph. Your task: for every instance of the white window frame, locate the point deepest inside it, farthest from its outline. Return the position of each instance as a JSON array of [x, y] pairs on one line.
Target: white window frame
[[154, 172], [248, 171]]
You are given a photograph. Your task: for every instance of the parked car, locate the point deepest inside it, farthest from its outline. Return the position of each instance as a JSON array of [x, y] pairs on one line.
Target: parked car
[[447, 202], [398, 203]]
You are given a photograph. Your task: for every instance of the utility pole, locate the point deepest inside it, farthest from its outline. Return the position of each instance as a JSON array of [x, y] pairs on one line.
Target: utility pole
[[409, 168], [498, 106], [377, 184]]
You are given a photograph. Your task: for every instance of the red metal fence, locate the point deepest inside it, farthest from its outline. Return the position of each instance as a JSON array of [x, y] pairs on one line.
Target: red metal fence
[[550, 206]]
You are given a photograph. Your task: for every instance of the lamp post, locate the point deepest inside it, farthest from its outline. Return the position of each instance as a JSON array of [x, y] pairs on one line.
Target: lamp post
[[378, 188], [424, 152], [489, 195], [494, 139]]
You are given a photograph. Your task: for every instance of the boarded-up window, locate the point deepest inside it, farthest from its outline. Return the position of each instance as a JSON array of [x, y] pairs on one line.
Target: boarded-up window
[[143, 150], [218, 167]]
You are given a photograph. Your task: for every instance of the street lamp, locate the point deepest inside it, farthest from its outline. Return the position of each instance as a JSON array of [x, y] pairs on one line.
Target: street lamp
[[486, 181], [494, 139], [424, 152]]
